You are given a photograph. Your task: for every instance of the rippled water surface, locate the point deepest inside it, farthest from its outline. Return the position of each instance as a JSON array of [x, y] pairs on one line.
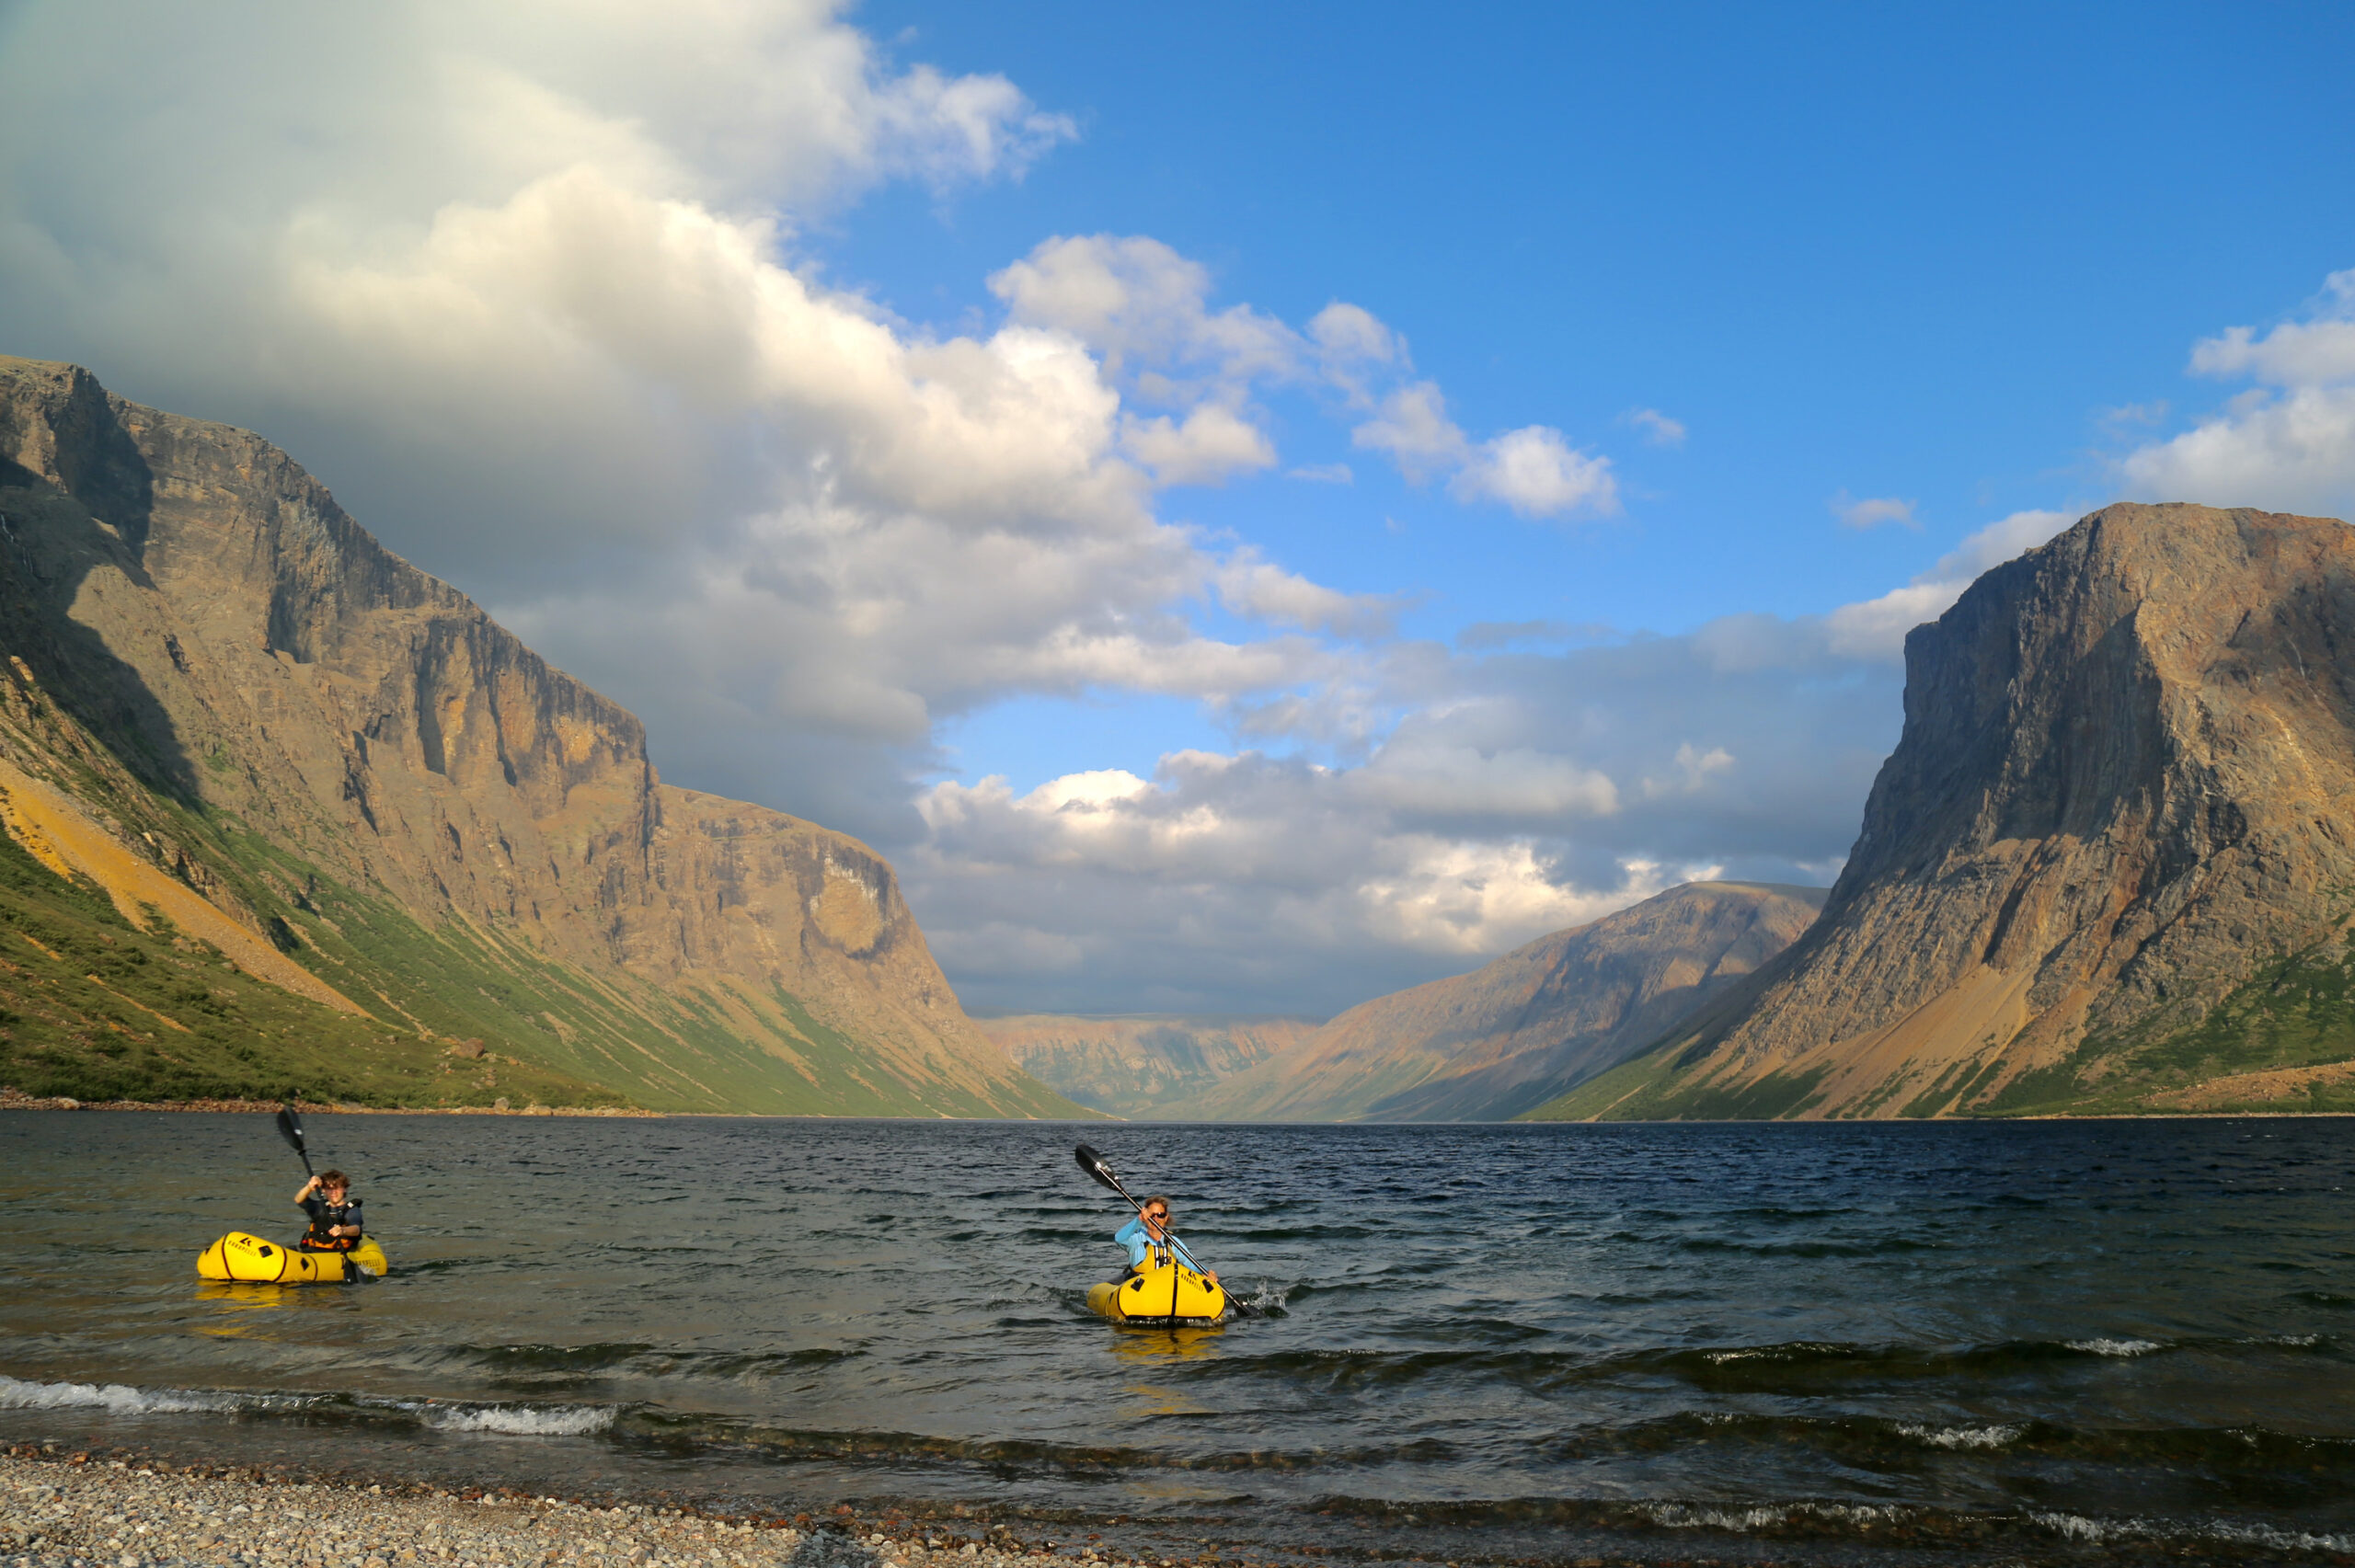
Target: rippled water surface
[[1948, 1342]]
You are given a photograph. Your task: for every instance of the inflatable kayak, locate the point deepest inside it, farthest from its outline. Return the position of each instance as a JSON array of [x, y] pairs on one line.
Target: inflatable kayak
[[1145, 1299], [251, 1260]]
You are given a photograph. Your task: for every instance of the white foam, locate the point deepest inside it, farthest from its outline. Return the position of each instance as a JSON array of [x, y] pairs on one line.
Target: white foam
[[2076, 1527], [1962, 1436], [1690, 1515], [2115, 1346], [120, 1398], [521, 1421], [1685, 1516]]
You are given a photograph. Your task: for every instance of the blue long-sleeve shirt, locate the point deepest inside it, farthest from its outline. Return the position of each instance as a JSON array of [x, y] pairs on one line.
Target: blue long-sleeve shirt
[[1134, 1237]]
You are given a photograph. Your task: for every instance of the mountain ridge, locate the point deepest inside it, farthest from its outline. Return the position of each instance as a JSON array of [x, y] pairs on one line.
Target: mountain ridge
[[2107, 866], [222, 674], [1487, 1044]]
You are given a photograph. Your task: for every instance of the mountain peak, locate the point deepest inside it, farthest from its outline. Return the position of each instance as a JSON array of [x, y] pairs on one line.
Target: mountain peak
[[2122, 792]]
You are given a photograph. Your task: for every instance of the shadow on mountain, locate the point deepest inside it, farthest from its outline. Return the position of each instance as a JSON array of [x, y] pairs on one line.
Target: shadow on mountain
[[54, 531]]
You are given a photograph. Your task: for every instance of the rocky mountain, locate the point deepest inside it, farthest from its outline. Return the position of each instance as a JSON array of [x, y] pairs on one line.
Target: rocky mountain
[[1133, 1066], [1485, 1046], [2110, 865], [242, 742]]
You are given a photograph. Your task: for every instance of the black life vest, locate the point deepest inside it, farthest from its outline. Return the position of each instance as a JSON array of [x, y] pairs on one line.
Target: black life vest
[[316, 1239]]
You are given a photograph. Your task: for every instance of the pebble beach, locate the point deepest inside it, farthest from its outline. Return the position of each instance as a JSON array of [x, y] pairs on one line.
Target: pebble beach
[[73, 1511]]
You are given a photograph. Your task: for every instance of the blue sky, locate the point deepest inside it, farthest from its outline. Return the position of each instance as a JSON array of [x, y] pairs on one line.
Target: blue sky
[[1096, 455], [1873, 250]]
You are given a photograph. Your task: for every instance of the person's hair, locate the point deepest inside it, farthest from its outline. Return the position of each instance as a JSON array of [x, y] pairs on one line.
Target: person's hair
[[334, 1179], [1159, 1199]]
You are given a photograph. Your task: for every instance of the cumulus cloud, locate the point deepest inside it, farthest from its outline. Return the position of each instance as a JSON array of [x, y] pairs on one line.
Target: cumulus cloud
[[1538, 473], [1534, 470], [524, 284], [1250, 585], [1212, 444], [1145, 308], [2288, 443], [1494, 793], [1509, 793], [1875, 628]]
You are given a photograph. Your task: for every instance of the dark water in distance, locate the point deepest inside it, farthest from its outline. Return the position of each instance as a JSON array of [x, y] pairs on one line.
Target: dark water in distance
[[2043, 1341]]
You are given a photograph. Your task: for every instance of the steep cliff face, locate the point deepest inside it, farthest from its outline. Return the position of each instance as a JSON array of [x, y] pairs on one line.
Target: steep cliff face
[[1133, 1067], [2109, 864], [1487, 1046], [228, 676]]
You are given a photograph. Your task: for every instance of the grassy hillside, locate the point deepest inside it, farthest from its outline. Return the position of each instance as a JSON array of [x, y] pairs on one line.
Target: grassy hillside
[[2284, 1042], [94, 1007], [168, 1016]]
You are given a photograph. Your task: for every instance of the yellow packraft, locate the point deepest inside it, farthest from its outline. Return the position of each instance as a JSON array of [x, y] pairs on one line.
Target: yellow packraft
[[251, 1260]]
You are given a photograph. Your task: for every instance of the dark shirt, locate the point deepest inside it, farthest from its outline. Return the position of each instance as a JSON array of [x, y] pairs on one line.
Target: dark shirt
[[324, 1214]]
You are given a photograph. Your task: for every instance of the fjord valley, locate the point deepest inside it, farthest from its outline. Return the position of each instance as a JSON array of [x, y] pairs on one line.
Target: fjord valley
[[1487, 1046], [285, 814], [1138, 1066]]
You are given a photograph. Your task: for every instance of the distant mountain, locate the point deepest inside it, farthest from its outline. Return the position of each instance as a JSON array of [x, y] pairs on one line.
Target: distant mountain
[[285, 812], [1485, 1046], [2109, 867], [1133, 1066]]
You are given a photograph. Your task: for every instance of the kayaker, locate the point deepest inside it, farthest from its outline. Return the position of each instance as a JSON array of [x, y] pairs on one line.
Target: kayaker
[[335, 1213], [1149, 1232]]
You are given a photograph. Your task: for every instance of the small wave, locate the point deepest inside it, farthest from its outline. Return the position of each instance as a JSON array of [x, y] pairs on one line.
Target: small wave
[[1962, 1436], [519, 1421], [1794, 1350], [2105, 1346], [2105, 1532], [120, 1398]]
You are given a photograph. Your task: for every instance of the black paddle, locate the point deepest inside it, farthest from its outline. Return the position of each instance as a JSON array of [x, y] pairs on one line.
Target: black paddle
[[1093, 1164], [290, 1127]]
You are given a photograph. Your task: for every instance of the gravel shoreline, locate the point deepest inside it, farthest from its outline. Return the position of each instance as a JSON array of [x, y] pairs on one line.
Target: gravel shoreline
[[61, 1511]]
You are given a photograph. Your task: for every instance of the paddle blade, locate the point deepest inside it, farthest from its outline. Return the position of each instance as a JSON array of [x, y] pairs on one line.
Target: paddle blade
[[290, 1127], [1093, 1164]]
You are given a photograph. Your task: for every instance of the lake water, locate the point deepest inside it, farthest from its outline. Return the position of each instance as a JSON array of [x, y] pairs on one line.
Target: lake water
[[1932, 1343]]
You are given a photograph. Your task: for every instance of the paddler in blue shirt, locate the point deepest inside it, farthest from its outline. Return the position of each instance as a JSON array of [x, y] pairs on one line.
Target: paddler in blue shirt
[[1149, 1233]]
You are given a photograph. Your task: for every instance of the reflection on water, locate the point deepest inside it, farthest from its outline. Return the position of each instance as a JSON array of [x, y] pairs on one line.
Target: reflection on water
[[2004, 1340]]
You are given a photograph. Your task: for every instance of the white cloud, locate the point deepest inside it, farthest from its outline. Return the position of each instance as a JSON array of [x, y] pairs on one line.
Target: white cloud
[[1873, 511], [1494, 797], [523, 284], [1658, 428], [1875, 628], [1413, 428], [1535, 471], [1538, 473], [1322, 474], [2295, 353], [1213, 444], [1231, 869], [1251, 586], [2287, 444], [1145, 307]]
